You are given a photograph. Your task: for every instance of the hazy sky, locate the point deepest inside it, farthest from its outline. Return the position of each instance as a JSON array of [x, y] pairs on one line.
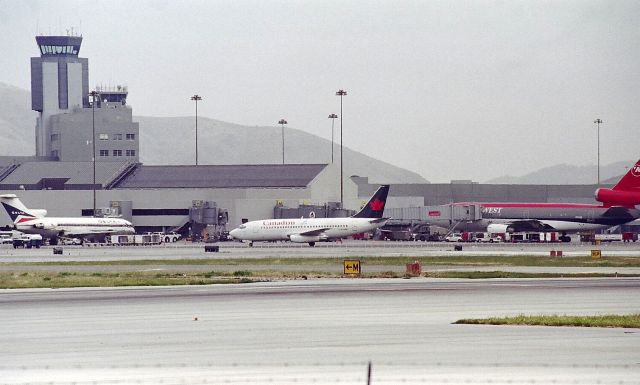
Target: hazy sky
[[449, 89]]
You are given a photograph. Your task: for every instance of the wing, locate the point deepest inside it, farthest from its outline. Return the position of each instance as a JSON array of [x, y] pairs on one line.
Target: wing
[[530, 225], [314, 232]]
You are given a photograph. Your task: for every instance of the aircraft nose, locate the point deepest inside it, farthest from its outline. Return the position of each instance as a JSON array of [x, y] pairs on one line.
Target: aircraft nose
[[234, 233]]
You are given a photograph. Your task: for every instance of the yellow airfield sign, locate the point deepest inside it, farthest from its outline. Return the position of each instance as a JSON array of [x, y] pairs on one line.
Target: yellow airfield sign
[[352, 266]]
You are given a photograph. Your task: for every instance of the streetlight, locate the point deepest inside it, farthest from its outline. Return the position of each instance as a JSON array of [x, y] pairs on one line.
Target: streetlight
[[282, 122], [333, 119], [196, 97], [341, 93], [93, 95], [598, 121]]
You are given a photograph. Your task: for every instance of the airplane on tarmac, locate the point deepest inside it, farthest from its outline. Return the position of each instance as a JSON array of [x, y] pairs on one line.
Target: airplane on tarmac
[[312, 230], [618, 207], [34, 221]]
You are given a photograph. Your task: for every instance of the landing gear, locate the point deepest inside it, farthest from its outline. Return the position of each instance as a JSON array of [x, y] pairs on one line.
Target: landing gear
[[312, 244], [250, 244]]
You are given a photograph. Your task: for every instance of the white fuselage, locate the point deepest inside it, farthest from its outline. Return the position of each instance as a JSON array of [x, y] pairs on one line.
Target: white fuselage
[[61, 226], [304, 229]]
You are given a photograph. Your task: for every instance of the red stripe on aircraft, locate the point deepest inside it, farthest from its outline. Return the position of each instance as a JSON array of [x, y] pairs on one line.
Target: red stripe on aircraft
[[531, 205]]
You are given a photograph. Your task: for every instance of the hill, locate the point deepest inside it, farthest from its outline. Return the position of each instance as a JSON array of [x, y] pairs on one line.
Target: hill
[[171, 141], [569, 174], [17, 121], [227, 143]]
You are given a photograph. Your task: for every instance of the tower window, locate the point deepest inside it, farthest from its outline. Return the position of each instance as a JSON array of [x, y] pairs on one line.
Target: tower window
[[117, 136], [117, 152], [103, 136], [131, 136], [130, 152], [104, 152]]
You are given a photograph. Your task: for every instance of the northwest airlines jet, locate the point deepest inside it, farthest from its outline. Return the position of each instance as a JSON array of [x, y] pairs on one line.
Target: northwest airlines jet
[[312, 230], [618, 207], [32, 221]]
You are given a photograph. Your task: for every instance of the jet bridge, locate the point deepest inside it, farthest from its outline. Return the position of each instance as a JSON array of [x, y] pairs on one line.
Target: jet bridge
[[452, 213], [445, 216]]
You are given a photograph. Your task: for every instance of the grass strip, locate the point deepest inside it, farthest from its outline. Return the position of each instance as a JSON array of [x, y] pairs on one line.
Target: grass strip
[[56, 280], [513, 274], [520, 260], [600, 321], [68, 279]]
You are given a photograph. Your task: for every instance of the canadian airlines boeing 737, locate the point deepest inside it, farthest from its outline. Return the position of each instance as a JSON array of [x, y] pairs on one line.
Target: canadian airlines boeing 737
[[34, 222], [312, 230]]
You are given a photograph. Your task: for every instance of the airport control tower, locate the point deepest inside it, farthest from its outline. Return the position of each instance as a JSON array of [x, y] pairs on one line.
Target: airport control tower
[[59, 82], [69, 124]]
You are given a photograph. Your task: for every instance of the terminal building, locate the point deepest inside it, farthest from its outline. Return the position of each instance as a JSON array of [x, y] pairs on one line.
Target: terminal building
[[60, 177]]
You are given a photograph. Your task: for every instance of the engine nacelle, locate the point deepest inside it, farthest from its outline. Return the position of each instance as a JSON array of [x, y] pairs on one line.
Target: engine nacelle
[[39, 212], [297, 238], [496, 228], [617, 198], [44, 226]]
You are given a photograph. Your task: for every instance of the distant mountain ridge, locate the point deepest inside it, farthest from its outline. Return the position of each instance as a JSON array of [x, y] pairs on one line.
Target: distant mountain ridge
[[17, 121], [227, 143], [170, 141], [569, 174]]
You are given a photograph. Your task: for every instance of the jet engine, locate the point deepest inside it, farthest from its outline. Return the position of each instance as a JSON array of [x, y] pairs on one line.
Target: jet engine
[[39, 212], [617, 197], [499, 229], [304, 238], [44, 226]]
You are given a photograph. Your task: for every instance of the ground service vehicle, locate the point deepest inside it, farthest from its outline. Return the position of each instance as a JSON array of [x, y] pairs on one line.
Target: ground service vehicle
[[6, 239], [487, 238], [28, 241], [454, 237]]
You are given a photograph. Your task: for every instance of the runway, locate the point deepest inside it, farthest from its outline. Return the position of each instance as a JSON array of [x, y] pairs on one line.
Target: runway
[[183, 250], [318, 331]]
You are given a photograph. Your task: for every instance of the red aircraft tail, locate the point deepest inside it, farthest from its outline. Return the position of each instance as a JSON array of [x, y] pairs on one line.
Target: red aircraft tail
[[625, 193]]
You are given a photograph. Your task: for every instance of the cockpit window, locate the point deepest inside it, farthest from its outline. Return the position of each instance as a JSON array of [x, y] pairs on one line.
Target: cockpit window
[[242, 227]]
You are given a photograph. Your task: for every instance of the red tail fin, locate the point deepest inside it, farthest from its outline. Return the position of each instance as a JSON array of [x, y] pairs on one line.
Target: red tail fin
[[631, 180], [625, 193]]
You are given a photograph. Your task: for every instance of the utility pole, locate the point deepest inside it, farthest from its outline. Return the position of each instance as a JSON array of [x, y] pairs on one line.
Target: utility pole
[[93, 95], [333, 120], [195, 98], [282, 122], [597, 122], [341, 93]]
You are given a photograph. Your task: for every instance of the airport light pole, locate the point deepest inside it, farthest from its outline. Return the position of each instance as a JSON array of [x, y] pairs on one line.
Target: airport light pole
[[93, 95], [282, 122], [195, 98], [341, 93], [333, 120], [597, 122]]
